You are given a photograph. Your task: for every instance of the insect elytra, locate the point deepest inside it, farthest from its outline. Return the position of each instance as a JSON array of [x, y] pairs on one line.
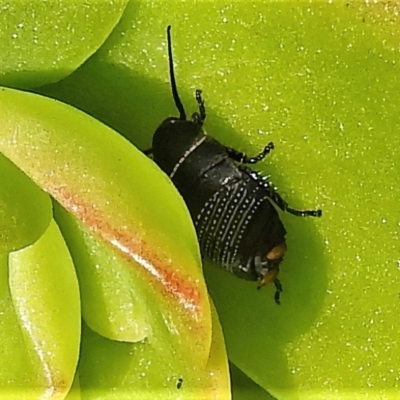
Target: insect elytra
[[232, 206]]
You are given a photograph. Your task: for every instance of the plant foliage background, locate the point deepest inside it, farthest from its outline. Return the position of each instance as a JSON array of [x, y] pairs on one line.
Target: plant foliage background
[[320, 80]]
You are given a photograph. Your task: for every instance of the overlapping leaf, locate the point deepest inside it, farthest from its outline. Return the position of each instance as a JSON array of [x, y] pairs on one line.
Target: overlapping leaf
[[135, 283], [42, 42], [320, 80], [40, 324], [25, 210]]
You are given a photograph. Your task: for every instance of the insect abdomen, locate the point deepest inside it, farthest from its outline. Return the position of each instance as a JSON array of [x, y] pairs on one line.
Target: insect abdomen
[[238, 223]]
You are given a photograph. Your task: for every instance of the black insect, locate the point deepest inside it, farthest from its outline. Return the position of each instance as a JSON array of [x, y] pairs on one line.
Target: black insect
[[231, 205]]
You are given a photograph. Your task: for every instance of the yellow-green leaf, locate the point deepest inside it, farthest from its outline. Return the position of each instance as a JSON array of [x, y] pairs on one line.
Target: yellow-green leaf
[[123, 202], [44, 41], [152, 369], [320, 80], [40, 324], [25, 210]]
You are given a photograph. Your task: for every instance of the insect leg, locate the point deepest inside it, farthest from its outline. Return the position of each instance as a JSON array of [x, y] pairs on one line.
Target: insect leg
[[279, 289], [258, 265], [242, 158], [284, 206], [201, 115], [276, 197]]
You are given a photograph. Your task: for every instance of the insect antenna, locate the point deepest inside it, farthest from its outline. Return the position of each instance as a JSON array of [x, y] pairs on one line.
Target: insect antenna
[[175, 95]]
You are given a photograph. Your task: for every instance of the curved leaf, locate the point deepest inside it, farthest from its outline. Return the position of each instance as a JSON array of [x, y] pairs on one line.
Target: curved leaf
[[25, 210], [75, 391], [43, 42], [114, 190], [321, 81], [40, 324], [152, 369]]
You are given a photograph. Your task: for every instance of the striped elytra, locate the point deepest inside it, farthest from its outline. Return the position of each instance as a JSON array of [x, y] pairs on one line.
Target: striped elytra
[[232, 206]]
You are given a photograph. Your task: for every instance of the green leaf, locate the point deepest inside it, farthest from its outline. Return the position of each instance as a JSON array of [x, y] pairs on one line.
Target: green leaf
[[114, 191], [151, 369], [75, 391], [243, 388], [112, 294], [42, 42], [25, 210], [321, 81], [16, 364], [40, 324]]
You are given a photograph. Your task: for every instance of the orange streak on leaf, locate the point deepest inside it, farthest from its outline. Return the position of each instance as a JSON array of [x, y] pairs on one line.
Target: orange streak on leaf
[[132, 247]]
